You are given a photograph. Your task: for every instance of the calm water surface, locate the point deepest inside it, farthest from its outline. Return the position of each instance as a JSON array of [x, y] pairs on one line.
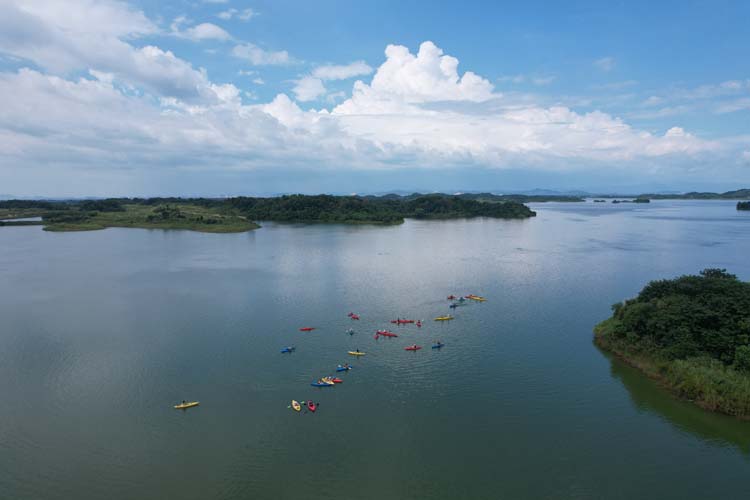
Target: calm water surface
[[102, 332]]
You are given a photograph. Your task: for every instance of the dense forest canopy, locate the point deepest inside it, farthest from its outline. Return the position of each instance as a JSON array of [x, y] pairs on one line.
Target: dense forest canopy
[[690, 316], [327, 208]]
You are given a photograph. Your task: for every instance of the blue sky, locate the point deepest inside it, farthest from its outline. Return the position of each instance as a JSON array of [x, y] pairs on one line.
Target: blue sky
[[105, 97]]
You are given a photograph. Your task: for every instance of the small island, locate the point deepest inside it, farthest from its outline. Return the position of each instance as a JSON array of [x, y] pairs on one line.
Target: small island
[[743, 205], [226, 215], [692, 334]]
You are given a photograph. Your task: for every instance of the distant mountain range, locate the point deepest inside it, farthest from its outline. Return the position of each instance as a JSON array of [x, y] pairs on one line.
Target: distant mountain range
[[514, 195], [566, 195]]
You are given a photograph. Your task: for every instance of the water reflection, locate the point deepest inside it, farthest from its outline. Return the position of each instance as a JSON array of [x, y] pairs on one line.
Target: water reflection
[[649, 397]]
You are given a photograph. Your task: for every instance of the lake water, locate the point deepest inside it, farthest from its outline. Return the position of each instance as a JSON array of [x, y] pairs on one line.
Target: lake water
[[102, 332]]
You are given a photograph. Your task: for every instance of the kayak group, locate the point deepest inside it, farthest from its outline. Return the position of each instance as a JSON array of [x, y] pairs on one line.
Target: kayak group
[[331, 381]]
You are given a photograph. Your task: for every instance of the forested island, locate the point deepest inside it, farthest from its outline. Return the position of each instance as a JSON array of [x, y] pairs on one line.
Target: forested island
[[693, 334], [240, 213], [743, 205], [737, 194]]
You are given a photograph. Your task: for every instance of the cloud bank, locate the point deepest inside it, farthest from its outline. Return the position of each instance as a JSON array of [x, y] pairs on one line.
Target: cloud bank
[[139, 107]]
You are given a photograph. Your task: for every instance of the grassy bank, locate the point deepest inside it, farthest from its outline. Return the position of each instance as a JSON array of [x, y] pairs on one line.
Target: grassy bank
[[179, 216], [704, 381], [692, 334]]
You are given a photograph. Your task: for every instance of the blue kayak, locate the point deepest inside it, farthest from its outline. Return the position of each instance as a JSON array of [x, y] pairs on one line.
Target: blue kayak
[[438, 346], [288, 349], [342, 368], [321, 384]]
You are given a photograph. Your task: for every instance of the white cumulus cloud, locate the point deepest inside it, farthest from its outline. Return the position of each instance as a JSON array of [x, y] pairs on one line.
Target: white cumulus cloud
[[142, 107], [308, 88], [242, 15], [342, 72], [204, 31], [259, 57]]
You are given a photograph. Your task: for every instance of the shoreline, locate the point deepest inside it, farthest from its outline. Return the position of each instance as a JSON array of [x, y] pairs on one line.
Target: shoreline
[[672, 376]]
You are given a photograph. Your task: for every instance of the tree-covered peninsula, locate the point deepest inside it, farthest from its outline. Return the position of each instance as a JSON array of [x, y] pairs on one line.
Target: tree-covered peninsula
[[743, 205], [239, 214], [693, 334]]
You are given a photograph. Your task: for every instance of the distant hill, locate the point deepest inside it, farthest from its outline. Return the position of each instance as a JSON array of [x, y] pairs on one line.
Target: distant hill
[[738, 194], [484, 197]]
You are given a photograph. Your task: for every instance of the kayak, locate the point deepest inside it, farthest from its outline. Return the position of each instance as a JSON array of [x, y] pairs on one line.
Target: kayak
[[307, 329], [419, 324], [288, 349], [386, 333], [412, 348], [401, 321], [354, 316], [444, 318], [321, 384], [476, 297], [296, 405], [343, 368], [311, 406], [336, 380], [185, 406], [438, 346], [451, 297], [357, 353]]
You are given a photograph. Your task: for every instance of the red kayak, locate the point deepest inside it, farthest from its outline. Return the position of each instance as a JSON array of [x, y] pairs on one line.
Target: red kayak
[[354, 316], [412, 348], [452, 297], [419, 324], [337, 380], [311, 406], [386, 333], [402, 321], [307, 329]]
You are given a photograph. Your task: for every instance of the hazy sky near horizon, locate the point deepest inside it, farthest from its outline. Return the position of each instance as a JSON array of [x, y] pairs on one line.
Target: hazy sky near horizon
[[226, 97]]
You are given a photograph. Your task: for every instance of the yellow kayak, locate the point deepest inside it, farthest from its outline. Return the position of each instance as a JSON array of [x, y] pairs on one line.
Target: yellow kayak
[[476, 297], [296, 405], [357, 353], [327, 380], [185, 406], [444, 318]]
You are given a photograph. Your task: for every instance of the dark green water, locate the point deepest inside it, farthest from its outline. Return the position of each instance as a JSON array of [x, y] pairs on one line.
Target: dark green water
[[102, 332]]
